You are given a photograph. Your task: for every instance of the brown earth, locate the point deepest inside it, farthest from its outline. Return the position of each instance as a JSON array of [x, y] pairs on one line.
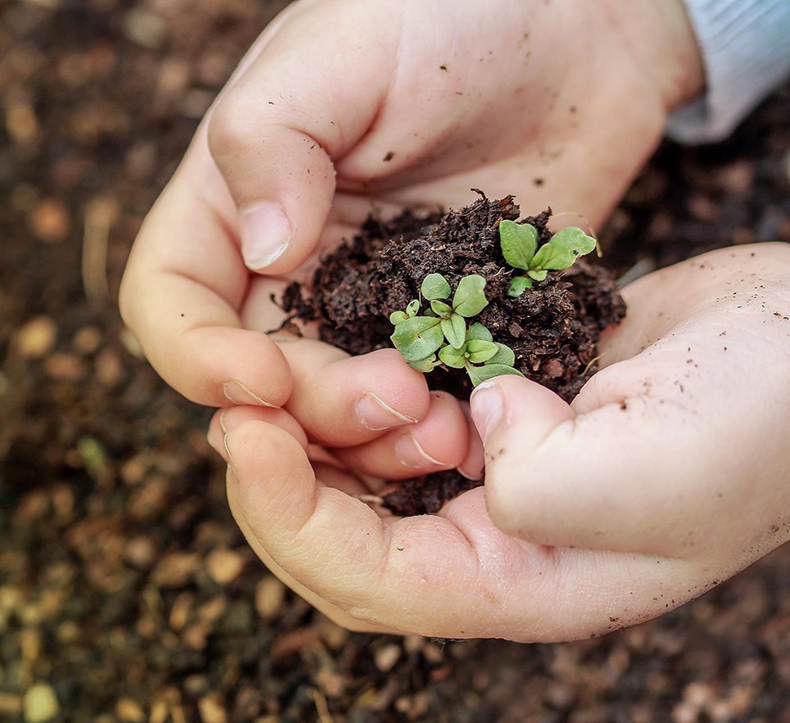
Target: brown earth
[[124, 584]]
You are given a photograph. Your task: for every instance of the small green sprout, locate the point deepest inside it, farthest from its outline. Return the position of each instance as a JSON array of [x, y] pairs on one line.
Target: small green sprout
[[519, 242], [440, 336]]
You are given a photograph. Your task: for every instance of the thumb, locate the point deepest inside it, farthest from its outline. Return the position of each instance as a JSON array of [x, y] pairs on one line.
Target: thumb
[[276, 133], [593, 480]]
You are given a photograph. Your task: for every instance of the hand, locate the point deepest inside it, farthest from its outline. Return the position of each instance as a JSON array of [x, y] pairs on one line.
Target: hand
[[667, 475], [345, 106]]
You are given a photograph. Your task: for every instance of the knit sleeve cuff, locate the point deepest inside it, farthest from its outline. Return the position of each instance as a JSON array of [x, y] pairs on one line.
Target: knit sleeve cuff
[[745, 45]]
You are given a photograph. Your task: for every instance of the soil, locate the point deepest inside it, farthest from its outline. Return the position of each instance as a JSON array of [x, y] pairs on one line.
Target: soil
[[125, 585], [553, 328]]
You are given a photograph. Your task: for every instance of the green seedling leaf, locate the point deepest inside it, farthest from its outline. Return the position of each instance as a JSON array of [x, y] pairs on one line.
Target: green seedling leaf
[[489, 371], [518, 242], [435, 286], [563, 249], [424, 365], [441, 309], [519, 285], [479, 351], [470, 299], [418, 338], [542, 255], [454, 330], [452, 357], [413, 308], [396, 317], [478, 331], [504, 355], [93, 456], [538, 275]]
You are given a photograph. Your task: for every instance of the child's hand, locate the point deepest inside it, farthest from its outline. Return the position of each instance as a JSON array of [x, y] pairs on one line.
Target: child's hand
[[668, 474], [347, 105]]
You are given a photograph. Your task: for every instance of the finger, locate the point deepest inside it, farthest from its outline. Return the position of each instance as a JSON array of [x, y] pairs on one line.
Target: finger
[[231, 417], [623, 476], [180, 295], [343, 401], [473, 463], [298, 108], [436, 442], [461, 576], [333, 612]]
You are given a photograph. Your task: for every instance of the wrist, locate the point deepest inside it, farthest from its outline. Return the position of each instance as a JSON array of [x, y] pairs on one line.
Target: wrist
[[661, 40]]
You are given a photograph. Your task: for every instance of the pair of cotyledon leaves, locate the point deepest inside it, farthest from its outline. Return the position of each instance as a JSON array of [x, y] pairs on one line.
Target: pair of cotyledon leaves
[[443, 329], [519, 243]]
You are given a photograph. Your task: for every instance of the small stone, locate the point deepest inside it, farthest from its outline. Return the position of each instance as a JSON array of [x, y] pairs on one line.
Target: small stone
[[331, 633], [386, 657], [179, 613], [128, 710], [140, 552], [413, 643], [65, 367], [144, 27], [49, 221], [211, 711], [40, 703], [21, 122], [87, 340], [110, 372], [269, 596], [36, 337], [224, 565]]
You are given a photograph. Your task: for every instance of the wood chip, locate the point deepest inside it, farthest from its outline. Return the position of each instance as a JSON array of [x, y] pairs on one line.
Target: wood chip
[[269, 596], [225, 565], [128, 710], [175, 569], [211, 711]]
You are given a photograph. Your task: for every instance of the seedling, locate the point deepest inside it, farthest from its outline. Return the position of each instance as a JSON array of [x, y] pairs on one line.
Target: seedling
[[519, 242], [440, 336]]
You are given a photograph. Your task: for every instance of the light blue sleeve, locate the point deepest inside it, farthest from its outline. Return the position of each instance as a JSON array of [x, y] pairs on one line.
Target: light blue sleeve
[[745, 45]]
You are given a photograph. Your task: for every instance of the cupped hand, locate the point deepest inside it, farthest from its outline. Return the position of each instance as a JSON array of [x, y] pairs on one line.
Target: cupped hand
[[668, 474], [343, 107]]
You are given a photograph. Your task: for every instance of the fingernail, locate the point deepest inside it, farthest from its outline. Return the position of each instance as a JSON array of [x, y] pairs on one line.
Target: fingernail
[[374, 414], [222, 425], [410, 453], [472, 469], [227, 450], [487, 407], [237, 393], [265, 233]]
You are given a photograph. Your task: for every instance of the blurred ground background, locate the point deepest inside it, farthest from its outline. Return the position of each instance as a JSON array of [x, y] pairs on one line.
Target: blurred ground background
[[126, 591]]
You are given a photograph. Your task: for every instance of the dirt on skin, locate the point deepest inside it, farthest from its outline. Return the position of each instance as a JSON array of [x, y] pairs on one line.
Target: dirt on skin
[[553, 328]]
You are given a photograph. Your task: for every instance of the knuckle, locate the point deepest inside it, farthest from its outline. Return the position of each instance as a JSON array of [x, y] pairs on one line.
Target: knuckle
[[228, 126]]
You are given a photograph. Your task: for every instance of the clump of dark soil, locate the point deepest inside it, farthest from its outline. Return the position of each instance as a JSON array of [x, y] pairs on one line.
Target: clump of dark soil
[[553, 328]]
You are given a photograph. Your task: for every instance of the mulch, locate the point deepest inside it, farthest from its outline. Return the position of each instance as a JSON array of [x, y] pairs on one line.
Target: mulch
[[126, 591]]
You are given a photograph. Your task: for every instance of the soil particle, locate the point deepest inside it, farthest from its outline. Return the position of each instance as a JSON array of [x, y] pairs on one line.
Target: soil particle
[[426, 495]]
